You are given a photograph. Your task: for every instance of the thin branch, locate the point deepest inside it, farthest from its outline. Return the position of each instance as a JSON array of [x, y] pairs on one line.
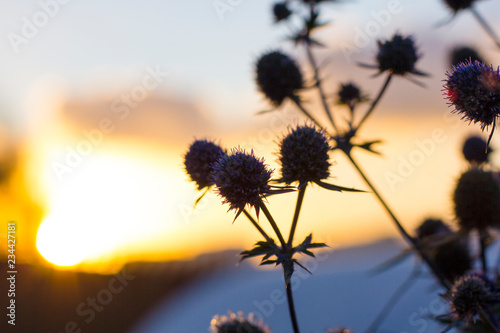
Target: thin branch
[[273, 224], [485, 25], [376, 100], [298, 206], [256, 225]]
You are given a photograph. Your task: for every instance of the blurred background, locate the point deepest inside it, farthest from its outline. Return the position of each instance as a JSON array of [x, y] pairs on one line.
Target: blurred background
[[99, 102]]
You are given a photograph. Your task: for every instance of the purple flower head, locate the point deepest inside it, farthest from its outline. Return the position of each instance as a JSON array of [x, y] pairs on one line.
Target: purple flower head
[[473, 89], [237, 323], [469, 296], [241, 179], [304, 155], [199, 159], [278, 77]]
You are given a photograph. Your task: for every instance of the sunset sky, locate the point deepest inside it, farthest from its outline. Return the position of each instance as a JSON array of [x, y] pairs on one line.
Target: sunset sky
[[67, 86]]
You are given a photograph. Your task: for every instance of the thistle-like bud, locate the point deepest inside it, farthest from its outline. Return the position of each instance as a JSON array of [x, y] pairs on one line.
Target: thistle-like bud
[[469, 296], [475, 150], [464, 54], [281, 11], [237, 323], [241, 179], [477, 200], [457, 5], [473, 89], [397, 55], [304, 155], [349, 94], [199, 159], [278, 77]]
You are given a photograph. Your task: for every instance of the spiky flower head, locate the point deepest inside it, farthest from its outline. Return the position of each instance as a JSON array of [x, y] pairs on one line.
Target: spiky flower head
[[303, 155], [199, 159], [477, 200], [469, 296], [473, 89], [281, 11], [237, 323], [475, 150], [398, 55], [457, 5], [241, 179], [350, 94], [278, 77], [462, 54]]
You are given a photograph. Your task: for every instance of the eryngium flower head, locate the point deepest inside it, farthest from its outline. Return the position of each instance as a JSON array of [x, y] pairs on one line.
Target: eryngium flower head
[[237, 323], [349, 94], [475, 150], [278, 76], [477, 200], [199, 159], [469, 295], [281, 11], [397, 55], [457, 5], [432, 227], [241, 179], [473, 89], [304, 155], [451, 258], [464, 54]]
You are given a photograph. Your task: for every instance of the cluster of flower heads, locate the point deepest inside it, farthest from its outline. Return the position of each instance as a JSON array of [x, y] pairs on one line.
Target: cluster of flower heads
[[237, 323], [242, 179]]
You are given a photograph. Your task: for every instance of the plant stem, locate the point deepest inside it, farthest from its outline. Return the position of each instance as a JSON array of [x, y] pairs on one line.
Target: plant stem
[[414, 242], [300, 199], [485, 26], [273, 224], [482, 241], [319, 86], [304, 111], [291, 307], [256, 225], [376, 100]]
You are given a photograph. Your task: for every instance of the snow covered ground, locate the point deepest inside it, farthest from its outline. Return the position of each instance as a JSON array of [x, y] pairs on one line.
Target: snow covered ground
[[342, 292]]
